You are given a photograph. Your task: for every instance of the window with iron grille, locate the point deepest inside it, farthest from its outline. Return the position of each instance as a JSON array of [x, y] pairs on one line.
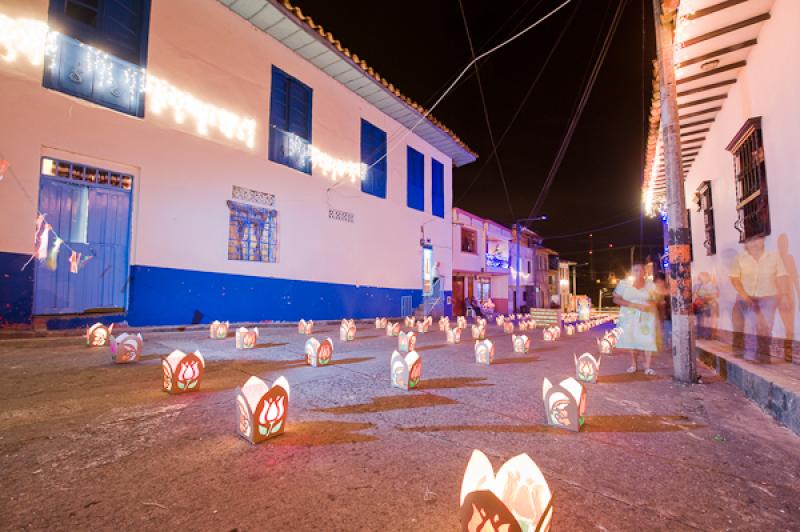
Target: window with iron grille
[[252, 233], [705, 205], [750, 174]]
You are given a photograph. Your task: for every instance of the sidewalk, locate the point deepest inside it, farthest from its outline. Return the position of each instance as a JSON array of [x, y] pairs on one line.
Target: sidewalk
[[772, 383], [87, 445]]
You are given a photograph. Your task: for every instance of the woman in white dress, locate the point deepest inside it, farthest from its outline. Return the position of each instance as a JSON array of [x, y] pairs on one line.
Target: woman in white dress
[[637, 317]]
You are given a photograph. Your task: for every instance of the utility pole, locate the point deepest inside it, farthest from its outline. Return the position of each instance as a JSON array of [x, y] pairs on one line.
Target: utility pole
[[680, 272]]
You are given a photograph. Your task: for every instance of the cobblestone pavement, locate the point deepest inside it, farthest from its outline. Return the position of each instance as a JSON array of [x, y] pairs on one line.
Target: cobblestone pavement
[[87, 445]]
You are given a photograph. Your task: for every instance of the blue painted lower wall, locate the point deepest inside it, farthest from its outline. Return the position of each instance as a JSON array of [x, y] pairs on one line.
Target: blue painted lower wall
[[165, 296], [16, 289]]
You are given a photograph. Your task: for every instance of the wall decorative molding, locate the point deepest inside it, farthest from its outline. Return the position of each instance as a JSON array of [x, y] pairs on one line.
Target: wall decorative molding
[[341, 216], [253, 196]]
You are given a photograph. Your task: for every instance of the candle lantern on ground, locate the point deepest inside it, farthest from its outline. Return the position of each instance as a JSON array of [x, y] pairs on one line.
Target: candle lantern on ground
[[319, 353], [587, 368], [564, 403], [406, 370], [484, 352], [182, 371], [126, 348], [98, 335], [406, 341], [262, 410], [218, 330], [246, 338], [521, 343], [517, 499], [305, 327]]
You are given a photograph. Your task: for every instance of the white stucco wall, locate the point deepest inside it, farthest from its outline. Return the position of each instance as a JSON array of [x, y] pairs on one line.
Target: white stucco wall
[[180, 216], [769, 86]]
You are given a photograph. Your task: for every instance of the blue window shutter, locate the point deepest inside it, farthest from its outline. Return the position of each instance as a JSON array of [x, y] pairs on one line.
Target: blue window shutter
[[119, 27], [290, 111], [124, 26], [415, 167], [373, 154], [437, 188]]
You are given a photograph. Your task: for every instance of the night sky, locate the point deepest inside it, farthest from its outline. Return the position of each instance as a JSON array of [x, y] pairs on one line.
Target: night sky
[[420, 45]]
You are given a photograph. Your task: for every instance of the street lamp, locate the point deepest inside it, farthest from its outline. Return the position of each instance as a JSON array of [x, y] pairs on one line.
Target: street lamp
[[518, 228]]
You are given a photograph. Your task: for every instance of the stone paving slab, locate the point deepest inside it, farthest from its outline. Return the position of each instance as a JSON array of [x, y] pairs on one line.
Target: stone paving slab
[[85, 444]]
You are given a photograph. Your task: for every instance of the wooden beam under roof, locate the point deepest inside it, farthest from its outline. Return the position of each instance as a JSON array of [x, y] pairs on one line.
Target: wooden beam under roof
[[707, 73], [699, 122], [701, 101], [695, 132], [714, 8], [700, 112], [717, 53], [708, 87], [727, 29]]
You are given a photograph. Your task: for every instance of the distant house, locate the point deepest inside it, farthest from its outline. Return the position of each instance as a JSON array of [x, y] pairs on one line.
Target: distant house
[[200, 159]]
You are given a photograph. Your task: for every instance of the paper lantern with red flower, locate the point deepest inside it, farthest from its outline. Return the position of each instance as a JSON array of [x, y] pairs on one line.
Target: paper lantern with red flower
[[126, 348], [564, 403], [410, 321], [347, 331], [98, 335], [380, 323], [481, 322], [605, 345], [523, 326], [587, 367], [406, 341], [500, 320], [508, 327], [517, 499], [262, 410], [406, 370], [444, 324], [454, 336], [305, 327], [182, 372], [478, 332], [521, 343], [484, 352], [393, 329], [424, 326], [246, 338], [461, 322], [319, 353], [569, 330], [218, 330]]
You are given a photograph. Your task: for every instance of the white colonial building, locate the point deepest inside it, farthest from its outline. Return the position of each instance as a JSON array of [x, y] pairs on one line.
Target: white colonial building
[[180, 161], [738, 79]]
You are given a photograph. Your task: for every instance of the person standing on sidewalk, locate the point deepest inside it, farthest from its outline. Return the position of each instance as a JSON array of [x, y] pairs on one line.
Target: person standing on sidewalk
[[636, 298]]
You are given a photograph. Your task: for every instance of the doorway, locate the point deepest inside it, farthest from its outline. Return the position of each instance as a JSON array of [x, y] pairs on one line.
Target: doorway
[[89, 209]]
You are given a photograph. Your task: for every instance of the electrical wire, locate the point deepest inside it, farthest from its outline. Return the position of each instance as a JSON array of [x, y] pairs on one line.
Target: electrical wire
[[486, 111], [398, 140], [592, 230], [578, 112], [521, 104]]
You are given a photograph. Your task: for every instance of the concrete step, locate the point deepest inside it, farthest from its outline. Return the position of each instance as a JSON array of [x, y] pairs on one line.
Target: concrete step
[[773, 384]]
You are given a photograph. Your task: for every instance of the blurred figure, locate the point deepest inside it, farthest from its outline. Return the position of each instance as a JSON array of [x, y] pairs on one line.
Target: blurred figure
[[758, 276], [788, 300], [705, 305], [637, 317], [663, 312]]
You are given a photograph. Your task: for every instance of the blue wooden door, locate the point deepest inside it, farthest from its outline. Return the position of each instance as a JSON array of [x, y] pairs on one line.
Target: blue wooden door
[[92, 220]]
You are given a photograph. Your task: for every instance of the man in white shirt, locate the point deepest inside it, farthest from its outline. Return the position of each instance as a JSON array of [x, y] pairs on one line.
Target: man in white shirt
[[759, 277]]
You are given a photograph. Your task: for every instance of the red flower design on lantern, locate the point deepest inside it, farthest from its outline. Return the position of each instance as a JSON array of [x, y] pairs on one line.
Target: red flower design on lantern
[[273, 411], [188, 373], [414, 375]]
